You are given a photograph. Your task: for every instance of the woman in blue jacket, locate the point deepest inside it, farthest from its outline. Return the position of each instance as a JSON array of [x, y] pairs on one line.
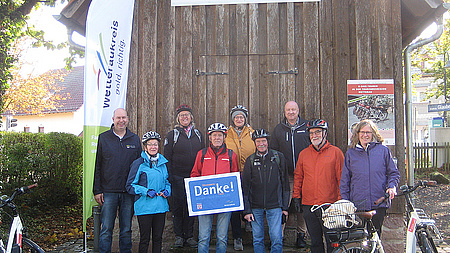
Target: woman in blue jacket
[[369, 172], [148, 180]]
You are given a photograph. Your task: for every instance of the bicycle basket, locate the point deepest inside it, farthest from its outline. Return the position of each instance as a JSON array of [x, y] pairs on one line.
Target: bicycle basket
[[340, 214]]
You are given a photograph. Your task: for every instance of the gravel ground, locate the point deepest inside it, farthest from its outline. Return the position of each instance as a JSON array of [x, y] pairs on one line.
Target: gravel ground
[[435, 201]]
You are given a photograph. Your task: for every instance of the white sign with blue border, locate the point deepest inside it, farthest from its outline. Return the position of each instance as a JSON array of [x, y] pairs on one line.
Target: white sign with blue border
[[214, 194]]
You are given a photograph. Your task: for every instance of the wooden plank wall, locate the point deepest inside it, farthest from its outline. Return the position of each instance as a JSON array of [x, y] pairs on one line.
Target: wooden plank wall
[[328, 42]]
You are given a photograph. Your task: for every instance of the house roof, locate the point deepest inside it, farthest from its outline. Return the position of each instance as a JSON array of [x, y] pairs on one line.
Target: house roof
[[72, 89], [416, 15], [73, 84]]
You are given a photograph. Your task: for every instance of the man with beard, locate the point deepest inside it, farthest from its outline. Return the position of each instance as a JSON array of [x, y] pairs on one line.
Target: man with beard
[[316, 180]]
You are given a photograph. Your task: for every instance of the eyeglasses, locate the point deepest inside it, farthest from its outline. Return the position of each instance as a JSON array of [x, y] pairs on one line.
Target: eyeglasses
[[152, 144], [318, 132], [365, 133], [239, 117], [184, 115]]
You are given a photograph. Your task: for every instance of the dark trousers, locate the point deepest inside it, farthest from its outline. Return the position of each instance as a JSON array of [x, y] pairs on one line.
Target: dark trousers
[[147, 223], [316, 230], [378, 219], [236, 224], [183, 224]]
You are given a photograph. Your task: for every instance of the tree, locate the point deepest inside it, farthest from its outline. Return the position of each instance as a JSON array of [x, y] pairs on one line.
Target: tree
[[33, 95], [13, 26], [431, 61]]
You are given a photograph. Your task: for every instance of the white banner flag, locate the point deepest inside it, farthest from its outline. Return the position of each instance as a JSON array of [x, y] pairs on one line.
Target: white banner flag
[[108, 39]]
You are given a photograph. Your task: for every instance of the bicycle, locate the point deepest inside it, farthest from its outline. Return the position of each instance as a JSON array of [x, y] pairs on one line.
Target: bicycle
[[420, 226], [341, 228], [18, 241]]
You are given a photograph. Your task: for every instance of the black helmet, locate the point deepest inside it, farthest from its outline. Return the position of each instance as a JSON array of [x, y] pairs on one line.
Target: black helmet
[[184, 107], [151, 136], [260, 133], [239, 108], [217, 127], [317, 123]]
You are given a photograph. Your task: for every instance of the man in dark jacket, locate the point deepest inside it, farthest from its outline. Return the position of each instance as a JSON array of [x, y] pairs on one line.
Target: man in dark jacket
[[290, 137], [265, 186], [117, 148]]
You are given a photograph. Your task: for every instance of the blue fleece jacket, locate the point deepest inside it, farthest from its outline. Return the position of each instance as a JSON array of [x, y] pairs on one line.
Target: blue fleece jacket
[[145, 176], [367, 174]]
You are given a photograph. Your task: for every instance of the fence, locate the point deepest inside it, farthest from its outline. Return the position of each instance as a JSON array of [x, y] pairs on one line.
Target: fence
[[432, 156]]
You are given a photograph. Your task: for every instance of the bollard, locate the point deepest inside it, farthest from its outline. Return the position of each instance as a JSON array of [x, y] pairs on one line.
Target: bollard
[[96, 213]]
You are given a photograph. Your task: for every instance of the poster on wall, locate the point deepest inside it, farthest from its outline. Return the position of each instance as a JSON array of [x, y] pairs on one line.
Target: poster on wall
[[374, 100], [216, 2]]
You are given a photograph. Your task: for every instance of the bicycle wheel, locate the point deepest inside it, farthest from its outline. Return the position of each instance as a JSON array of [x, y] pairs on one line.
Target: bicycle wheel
[[426, 243], [354, 247], [30, 246]]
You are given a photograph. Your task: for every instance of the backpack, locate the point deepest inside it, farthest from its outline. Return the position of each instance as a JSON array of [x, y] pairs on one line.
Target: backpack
[[176, 134], [230, 155]]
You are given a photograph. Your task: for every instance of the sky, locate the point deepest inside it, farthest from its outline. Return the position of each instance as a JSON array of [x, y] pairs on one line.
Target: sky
[[36, 61]]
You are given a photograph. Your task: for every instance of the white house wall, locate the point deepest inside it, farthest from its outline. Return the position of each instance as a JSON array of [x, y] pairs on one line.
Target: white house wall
[[70, 122]]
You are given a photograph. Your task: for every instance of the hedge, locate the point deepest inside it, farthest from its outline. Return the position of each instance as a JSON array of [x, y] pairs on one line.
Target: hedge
[[53, 160]]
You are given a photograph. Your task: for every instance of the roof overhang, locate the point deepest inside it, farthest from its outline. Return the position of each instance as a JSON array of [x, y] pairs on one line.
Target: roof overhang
[[416, 16]]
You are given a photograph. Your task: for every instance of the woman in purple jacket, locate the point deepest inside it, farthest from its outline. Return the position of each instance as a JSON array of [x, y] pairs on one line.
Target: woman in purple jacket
[[369, 171]]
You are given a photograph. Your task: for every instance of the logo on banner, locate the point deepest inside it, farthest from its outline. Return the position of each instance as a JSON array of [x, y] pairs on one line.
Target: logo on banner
[[110, 57]]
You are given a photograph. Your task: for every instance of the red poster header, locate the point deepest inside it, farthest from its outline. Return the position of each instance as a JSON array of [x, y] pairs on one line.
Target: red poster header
[[370, 89]]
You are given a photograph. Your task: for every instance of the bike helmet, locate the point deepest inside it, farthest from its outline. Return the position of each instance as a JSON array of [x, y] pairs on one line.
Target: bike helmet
[[151, 136], [317, 123], [184, 107], [238, 108], [260, 133], [217, 127]]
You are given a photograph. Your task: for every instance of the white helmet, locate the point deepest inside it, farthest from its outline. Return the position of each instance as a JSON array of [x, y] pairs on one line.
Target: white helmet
[[217, 127], [151, 136]]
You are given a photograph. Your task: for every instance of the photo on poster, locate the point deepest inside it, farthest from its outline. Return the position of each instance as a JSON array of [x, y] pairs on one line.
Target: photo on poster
[[374, 100]]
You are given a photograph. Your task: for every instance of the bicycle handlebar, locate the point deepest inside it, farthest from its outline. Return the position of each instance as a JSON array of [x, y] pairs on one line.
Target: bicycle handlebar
[[405, 189], [382, 199], [25, 189], [17, 191]]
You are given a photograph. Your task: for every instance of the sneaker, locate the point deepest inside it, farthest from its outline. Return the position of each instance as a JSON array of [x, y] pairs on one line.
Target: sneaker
[[238, 244], [178, 242], [301, 240], [191, 242], [248, 227]]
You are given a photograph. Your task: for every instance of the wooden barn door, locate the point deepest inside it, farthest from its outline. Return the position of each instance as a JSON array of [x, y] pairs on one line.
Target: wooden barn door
[[262, 83]]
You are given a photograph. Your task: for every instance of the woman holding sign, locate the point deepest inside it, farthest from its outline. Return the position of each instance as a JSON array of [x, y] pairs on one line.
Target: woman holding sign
[[148, 180]]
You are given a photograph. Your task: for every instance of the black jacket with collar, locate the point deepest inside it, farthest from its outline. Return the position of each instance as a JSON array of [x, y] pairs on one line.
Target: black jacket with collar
[[265, 183], [182, 155], [113, 160], [290, 141]]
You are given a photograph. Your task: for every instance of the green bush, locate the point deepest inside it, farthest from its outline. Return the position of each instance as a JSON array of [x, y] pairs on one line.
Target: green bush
[[52, 160]]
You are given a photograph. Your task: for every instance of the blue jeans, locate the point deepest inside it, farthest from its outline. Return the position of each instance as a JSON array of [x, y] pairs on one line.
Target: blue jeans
[[124, 202], [204, 232], [273, 217]]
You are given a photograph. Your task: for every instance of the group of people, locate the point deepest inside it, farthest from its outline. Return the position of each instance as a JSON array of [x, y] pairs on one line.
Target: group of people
[[296, 156]]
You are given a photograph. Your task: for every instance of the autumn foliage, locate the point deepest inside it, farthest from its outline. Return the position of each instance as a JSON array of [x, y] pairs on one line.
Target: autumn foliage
[[34, 94]]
